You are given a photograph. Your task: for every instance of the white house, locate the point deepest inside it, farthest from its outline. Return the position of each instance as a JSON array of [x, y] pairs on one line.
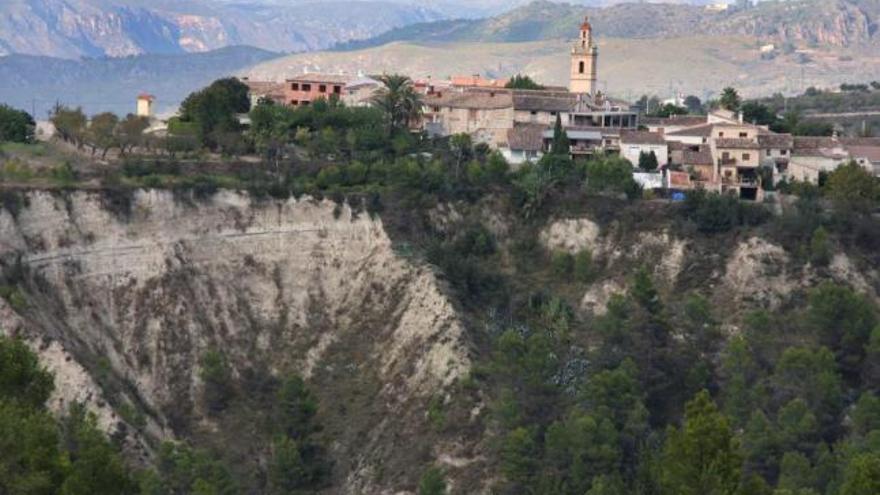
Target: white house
[[634, 143]]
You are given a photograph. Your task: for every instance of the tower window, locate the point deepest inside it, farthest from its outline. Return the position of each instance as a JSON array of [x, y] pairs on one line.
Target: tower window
[[581, 67]]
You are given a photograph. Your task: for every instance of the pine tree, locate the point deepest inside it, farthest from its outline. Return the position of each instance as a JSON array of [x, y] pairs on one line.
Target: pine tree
[[702, 458]]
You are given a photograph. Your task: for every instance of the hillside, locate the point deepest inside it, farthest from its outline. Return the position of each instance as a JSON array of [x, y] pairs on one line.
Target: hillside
[[801, 22], [433, 331], [96, 28], [112, 84], [698, 65]]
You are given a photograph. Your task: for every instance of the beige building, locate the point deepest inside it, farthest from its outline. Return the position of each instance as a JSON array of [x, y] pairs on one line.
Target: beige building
[[584, 56], [145, 104], [485, 115]]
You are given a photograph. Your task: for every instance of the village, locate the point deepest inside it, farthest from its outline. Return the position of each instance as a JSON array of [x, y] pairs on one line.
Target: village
[[718, 152]]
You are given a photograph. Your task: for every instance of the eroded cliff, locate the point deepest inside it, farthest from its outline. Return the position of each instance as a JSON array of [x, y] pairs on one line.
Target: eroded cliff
[[122, 296]]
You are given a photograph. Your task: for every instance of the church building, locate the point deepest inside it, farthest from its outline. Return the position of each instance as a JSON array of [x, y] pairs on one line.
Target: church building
[[584, 55]]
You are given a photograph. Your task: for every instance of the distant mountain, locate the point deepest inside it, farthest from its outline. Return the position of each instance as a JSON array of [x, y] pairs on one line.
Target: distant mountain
[[94, 28], [799, 22], [112, 84]]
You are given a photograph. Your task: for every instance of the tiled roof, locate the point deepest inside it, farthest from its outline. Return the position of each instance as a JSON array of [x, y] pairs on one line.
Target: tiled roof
[[698, 131], [476, 100], [777, 141], [546, 101], [526, 137], [872, 153], [810, 142], [736, 143], [675, 121], [702, 157], [322, 78], [642, 137]]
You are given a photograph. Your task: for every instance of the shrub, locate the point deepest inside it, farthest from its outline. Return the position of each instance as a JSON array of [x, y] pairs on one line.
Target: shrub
[[562, 264], [820, 247], [583, 266]]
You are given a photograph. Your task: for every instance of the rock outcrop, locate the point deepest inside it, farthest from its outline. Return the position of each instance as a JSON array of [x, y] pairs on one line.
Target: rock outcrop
[[133, 291]]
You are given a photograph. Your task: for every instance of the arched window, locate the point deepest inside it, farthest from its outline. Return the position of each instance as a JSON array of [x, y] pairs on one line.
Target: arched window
[[581, 67]]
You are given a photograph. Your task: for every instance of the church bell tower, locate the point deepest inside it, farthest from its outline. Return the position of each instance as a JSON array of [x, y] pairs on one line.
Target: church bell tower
[[583, 62]]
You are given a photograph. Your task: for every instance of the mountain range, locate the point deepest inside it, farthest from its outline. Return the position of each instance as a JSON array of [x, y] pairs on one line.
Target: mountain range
[[96, 28], [644, 47], [798, 22]]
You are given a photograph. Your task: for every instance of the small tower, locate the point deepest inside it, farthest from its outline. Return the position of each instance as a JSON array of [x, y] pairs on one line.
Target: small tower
[[145, 105], [583, 61]]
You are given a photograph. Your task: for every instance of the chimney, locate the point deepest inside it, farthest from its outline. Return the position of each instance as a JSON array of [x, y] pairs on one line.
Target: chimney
[[741, 118]]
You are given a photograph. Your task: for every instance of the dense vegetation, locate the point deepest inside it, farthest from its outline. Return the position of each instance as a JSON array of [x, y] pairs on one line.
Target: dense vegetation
[[655, 396]]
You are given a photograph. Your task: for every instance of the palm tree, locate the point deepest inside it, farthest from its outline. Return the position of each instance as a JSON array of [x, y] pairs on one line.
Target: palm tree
[[399, 100]]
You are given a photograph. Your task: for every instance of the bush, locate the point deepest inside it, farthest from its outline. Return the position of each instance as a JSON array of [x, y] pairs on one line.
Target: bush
[[715, 213], [583, 266], [217, 378], [820, 247], [562, 264]]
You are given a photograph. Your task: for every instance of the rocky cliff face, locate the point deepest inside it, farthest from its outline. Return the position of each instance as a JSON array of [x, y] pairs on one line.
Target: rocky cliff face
[[121, 306]]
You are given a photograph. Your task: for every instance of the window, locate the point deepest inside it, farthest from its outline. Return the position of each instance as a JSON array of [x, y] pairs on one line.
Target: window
[[436, 109], [534, 112], [294, 102], [721, 134], [294, 87], [582, 68], [322, 88], [725, 156], [744, 134], [306, 87], [553, 114], [747, 157], [337, 90], [783, 152]]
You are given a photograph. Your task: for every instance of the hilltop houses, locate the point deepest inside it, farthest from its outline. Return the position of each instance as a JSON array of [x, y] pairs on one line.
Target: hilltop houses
[[717, 152]]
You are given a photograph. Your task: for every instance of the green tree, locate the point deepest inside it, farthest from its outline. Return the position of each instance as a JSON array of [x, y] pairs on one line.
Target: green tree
[[561, 145], [519, 457], [186, 470], [757, 113], [810, 375], [796, 472], [866, 415], [30, 460], [612, 174], [648, 161], [22, 379], [102, 132], [95, 466], [213, 110], [851, 187], [862, 475], [433, 482], [399, 101], [820, 247], [130, 132], [583, 266], [579, 448], [644, 293], [522, 82], [740, 372], [693, 104], [702, 458], [288, 472], [70, 124], [217, 378], [16, 126], [730, 100], [843, 320], [296, 409]]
